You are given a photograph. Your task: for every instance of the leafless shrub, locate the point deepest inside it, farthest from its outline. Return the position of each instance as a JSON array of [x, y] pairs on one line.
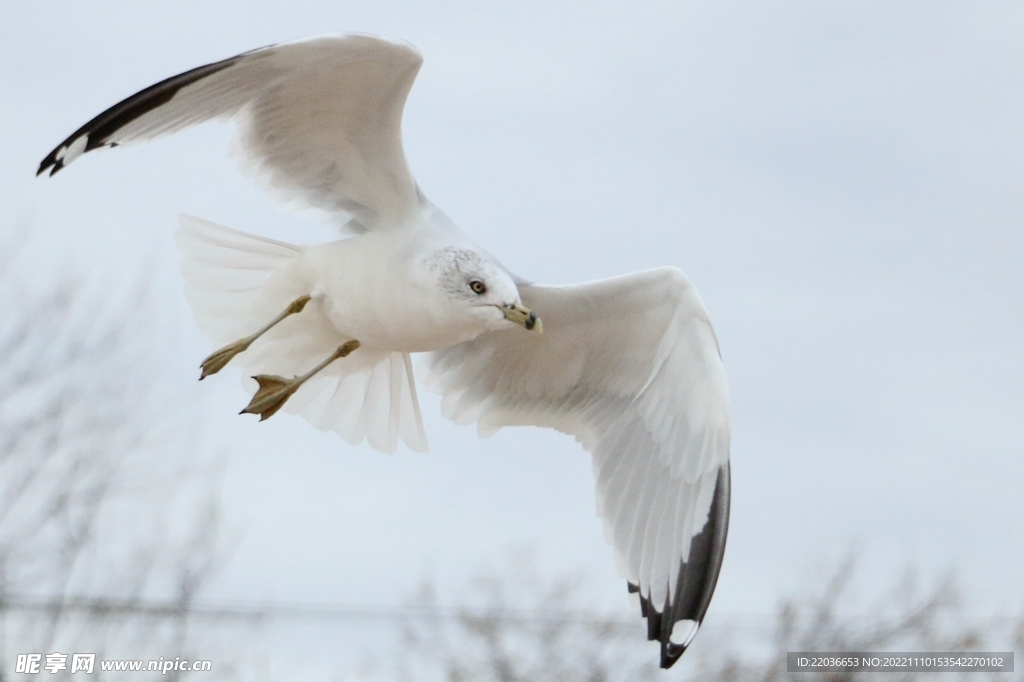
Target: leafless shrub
[[99, 510], [908, 617], [519, 627]]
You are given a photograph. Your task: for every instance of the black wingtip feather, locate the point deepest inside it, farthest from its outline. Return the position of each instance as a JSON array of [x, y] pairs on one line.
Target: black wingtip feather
[[697, 577], [100, 128]]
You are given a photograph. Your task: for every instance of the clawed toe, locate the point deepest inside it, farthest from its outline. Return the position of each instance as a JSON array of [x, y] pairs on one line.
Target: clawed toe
[[220, 358], [273, 392]]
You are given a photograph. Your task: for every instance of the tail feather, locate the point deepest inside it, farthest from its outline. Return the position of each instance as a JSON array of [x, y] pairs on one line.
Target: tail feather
[[236, 283], [226, 272]]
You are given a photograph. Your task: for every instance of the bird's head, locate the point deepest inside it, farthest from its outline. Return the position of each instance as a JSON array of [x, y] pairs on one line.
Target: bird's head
[[477, 285]]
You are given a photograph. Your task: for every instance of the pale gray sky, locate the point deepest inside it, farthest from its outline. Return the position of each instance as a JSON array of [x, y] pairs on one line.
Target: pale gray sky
[[842, 182]]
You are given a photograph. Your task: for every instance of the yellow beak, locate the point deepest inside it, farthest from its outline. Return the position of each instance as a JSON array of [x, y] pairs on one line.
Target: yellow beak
[[523, 316]]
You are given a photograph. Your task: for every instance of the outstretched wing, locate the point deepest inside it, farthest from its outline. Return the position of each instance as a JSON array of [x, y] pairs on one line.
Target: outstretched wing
[[630, 366], [320, 117]]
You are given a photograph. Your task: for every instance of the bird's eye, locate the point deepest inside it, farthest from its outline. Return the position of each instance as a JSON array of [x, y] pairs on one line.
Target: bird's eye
[[478, 287]]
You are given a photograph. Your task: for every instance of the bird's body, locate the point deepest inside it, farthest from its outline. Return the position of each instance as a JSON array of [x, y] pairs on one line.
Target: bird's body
[[377, 287], [628, 365]]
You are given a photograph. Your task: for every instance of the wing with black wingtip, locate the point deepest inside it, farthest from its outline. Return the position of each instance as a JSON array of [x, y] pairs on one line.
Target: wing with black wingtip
[[630, 366], [320, 118]]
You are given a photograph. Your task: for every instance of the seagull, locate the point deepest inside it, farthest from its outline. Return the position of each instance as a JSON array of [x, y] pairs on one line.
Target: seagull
[[629, 365]]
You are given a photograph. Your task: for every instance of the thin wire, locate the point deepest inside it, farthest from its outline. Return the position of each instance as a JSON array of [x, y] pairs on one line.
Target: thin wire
[[266, 610], [151, 607]]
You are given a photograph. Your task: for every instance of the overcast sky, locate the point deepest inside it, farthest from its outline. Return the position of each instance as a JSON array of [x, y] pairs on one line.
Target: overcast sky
[[841, 181]]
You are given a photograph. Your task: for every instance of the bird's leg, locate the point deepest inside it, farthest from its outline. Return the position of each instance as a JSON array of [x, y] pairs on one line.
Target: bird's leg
[[274, 391], [218, 359]]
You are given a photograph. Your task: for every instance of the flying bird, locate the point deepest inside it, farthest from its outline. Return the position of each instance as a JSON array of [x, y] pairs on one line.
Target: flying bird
[[630, 365]]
